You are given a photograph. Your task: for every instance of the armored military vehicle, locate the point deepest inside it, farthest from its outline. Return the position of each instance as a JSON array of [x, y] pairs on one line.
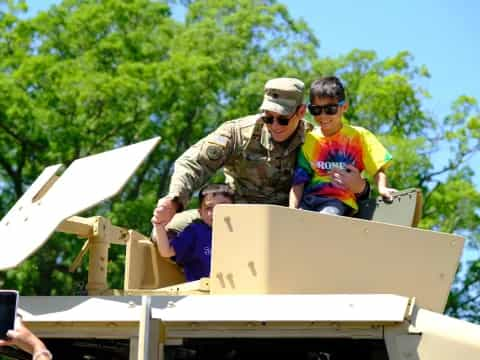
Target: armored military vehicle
[[285, 283]]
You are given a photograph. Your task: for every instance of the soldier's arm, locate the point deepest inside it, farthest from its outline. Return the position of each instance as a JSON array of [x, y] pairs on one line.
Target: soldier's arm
[[200, 162]]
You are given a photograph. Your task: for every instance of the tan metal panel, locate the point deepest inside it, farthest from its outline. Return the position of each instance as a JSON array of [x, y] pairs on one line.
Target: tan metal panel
[[145, 268], [20, 214], [432, 336], [86, 182], [405, 209], [283, 308], [268, 249], [80, 308]]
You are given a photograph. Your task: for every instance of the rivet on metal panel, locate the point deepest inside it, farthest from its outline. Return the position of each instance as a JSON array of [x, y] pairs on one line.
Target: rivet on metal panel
[[221, 280], [251, 266], [230, 280], [171, 304], [131, 304], [228, 221]]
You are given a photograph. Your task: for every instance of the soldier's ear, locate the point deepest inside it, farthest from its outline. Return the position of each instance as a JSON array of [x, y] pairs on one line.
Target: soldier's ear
[[301, 110]]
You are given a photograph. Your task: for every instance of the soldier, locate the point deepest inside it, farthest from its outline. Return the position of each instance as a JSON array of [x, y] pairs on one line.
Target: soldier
[[257, 153]]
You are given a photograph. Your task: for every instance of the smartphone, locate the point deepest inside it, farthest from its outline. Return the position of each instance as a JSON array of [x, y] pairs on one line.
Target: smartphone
[[8, 311]]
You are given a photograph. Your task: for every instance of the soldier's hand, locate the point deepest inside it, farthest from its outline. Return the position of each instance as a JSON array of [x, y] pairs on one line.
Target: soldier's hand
[[348, 178], [164, 212]]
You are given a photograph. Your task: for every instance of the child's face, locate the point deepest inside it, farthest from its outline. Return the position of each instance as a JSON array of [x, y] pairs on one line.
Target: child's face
[[330, 124], [209, 202]]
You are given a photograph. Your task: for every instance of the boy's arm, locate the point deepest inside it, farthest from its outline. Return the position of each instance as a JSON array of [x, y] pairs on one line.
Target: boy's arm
[[302, 175], [296, 193], [161, 238], [383, 189]]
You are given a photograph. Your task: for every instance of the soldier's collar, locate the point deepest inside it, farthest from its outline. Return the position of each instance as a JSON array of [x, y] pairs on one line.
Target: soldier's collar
[[299, 137], [265, 137]]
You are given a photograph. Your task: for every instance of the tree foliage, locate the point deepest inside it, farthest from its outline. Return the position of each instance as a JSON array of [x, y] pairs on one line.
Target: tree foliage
[[90, 75]]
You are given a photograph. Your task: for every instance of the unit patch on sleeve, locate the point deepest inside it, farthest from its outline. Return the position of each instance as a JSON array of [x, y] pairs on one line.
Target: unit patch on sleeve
[[214, 151]]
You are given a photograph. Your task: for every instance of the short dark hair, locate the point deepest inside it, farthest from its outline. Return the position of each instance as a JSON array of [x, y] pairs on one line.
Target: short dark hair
[[329, 86], [222, 189]]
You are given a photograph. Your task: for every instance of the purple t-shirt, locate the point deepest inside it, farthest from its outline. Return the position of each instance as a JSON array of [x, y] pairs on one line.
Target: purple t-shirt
[[192, 250]]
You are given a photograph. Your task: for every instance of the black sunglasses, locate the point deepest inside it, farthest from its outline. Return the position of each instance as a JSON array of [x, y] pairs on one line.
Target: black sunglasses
[[281, 120], [329, 109]]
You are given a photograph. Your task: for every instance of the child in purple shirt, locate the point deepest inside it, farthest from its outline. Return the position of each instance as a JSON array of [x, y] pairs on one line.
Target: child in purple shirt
[[192, 246]]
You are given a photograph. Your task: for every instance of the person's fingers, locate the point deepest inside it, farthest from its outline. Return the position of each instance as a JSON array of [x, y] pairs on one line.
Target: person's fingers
[[156, 220], [337, 178], [13, 334]]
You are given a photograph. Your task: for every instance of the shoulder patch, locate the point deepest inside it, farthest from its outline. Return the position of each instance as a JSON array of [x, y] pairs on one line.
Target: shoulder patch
[[214, 151], [247, 121]]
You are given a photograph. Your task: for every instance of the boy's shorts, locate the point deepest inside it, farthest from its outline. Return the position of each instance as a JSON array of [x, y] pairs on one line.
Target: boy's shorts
[[324, 205]]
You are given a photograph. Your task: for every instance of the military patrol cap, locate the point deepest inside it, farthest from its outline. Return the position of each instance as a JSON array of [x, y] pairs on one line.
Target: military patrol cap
[[283, 95]]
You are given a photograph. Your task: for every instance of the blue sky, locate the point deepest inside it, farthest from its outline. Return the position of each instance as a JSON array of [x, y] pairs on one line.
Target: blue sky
[[441, 34]]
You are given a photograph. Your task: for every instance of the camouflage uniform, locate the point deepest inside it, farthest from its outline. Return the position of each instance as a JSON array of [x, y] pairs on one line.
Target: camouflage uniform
[[258, 169]]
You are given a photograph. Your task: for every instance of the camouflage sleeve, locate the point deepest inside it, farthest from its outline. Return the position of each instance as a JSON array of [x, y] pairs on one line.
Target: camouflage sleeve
[[200, 162]]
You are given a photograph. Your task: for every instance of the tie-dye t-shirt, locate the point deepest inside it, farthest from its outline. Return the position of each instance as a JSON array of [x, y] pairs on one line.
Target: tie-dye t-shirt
[[320, 154]]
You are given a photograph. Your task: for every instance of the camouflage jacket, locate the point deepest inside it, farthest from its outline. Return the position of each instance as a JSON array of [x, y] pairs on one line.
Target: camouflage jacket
[[258, 169]]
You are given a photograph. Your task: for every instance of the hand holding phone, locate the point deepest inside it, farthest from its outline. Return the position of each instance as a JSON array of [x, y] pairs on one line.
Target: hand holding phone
[[18, 334]]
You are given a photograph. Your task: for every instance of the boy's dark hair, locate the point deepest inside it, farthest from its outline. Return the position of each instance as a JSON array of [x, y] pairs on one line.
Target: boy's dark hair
[[222, 189], [329, 86]]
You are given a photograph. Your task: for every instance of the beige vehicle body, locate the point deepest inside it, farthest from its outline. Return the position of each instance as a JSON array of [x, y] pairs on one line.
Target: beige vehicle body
[[284, 283]]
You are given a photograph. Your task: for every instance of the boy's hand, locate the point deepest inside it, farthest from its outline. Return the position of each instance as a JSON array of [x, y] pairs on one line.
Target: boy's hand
[[387, 193], [164, 212], [349, 178]]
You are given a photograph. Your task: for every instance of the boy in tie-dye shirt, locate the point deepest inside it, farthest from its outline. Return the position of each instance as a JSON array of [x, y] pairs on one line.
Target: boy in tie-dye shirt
[[332, 152]]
